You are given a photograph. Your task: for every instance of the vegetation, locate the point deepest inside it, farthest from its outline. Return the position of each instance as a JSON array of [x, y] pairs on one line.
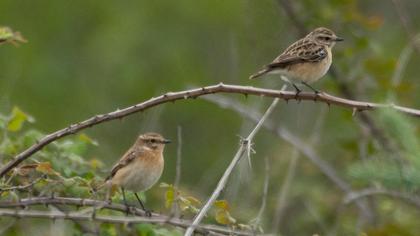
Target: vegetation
[[332, 171]]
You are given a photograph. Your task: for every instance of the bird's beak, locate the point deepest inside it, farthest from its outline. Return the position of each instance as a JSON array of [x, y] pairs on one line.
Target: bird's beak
[[338, 39], [166, 141]]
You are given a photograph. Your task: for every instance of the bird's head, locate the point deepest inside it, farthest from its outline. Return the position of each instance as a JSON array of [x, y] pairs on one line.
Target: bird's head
[[324, 36], [152, 141]]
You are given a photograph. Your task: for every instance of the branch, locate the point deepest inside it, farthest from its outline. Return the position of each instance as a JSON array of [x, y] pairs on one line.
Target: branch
[[406, 23], [79, 202], [295, 141], [194, 93], [354, 196], [245, 145], [22, 187], [346, 90], [256, 222]]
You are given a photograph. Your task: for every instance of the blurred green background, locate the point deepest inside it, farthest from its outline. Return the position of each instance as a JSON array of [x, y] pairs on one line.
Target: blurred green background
[[89, 57]]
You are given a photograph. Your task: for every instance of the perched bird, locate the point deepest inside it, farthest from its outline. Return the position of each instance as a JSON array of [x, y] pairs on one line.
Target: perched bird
[[140, 167], [305, 61]]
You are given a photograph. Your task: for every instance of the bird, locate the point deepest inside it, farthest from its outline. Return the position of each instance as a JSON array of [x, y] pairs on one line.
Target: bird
[[305, 61], [140, 167]]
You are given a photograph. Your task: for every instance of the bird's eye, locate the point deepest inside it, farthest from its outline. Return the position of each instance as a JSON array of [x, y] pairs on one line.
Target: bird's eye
[[153, 140]]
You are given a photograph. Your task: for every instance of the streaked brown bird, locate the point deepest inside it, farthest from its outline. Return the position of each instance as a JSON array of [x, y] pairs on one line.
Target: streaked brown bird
[[140, 167], [305, 61]]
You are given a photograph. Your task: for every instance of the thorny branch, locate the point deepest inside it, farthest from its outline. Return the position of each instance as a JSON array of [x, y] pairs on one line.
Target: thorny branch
[[364, 118], [194, 93], [138, 214], [306, 150], [223, 180]]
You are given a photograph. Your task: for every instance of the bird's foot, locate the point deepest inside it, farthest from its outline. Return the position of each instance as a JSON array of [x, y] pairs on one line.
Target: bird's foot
[[297, 95], [147, 213]]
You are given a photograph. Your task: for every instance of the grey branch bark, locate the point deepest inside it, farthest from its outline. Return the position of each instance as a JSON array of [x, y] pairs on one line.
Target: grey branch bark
[[300, 145], [245, 145], [79, 216], [194, 93]]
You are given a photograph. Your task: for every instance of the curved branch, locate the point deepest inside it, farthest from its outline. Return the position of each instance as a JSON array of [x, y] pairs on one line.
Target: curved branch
[[80, 202], [194, 93], [354, 196]]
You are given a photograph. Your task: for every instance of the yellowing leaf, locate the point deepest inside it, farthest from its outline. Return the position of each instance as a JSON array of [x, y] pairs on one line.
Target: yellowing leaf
[[95, 163], [170, 197], [45, 167], [17, 119], [7, 35], [223, 217], [222, 204], [85, 138]]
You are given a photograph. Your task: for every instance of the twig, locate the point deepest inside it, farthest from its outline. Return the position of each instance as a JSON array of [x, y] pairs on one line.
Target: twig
[[82, 224], [175, 206], [354, 196], [291, 13], [281, 199], [178, 157], [401, 65], [110, 219], [22, 187], [406, 23], [194, 93], [256, 222], [299, 144], [245, 144], [79, 202]]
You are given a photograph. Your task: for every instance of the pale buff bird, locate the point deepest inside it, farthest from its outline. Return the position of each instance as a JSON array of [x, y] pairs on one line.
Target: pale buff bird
[[305, 61], [140, 167]]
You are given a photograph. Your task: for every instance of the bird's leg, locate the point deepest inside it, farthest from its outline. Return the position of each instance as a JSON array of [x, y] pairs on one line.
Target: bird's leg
[[148, 212], [313, 89], [297, 90], [125, 201]]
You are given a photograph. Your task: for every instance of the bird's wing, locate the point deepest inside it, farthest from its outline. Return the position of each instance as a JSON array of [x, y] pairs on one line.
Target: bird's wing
[[128, 157], [307, 52]]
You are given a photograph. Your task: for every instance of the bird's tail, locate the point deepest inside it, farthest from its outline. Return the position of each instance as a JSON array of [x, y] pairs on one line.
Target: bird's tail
[[259, 73]]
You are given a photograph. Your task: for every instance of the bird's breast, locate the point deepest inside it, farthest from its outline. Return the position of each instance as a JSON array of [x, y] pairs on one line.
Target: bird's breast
[[310, 72], [140, 175]]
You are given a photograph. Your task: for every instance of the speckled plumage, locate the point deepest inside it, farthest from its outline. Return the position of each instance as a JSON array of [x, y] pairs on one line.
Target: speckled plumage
[[306, 60]]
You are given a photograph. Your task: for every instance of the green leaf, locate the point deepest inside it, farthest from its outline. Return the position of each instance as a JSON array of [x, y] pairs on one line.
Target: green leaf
[[145, 230], [17, 119]]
